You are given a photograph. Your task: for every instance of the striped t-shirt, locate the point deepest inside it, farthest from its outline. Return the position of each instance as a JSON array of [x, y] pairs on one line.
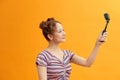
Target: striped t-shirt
[[56, 69]]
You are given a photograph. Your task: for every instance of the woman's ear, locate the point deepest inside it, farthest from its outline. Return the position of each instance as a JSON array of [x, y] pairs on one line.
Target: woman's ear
[[50, 36]]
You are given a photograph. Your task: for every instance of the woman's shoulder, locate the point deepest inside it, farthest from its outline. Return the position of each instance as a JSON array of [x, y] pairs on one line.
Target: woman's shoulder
[[42, 52], [42, 58], [67, 50]]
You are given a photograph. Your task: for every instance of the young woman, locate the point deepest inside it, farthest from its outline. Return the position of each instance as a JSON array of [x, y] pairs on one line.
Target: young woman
[[53, 63]]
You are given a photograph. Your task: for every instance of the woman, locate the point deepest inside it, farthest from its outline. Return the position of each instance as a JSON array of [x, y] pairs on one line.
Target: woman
[[53, 63]]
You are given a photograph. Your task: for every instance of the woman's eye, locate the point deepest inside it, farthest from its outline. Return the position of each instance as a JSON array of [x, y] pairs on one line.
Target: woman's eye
[[60, 31]]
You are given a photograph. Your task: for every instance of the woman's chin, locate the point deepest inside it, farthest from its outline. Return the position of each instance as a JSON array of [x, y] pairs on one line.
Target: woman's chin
[[63, 40]]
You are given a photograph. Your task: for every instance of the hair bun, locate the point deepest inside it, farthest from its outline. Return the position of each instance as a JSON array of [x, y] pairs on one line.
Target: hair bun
[[43, 25], [50, 19]]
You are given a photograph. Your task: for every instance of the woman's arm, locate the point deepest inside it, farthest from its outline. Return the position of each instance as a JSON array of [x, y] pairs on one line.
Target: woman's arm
[[88, 62], [42, 72]]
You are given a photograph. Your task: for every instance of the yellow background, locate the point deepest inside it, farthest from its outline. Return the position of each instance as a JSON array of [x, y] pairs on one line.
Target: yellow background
[[21, 39]]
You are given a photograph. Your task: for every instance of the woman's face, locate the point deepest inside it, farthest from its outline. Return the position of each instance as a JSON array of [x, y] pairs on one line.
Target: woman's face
[[59, 34]]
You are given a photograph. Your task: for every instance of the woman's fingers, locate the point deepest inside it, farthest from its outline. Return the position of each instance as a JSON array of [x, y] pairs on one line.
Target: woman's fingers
[[103, 37]]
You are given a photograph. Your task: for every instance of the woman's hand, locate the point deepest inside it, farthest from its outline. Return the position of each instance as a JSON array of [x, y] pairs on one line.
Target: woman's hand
[[101, 39], [89, 61]]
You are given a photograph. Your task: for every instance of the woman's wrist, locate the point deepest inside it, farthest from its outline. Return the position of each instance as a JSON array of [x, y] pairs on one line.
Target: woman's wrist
[[97, 45]]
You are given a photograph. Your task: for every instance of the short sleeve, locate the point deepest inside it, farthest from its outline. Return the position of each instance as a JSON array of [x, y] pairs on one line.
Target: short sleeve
[[41, 60], [71, 54]]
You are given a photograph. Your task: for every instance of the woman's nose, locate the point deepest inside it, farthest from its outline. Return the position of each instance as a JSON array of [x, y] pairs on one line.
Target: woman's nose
[[64, 33]]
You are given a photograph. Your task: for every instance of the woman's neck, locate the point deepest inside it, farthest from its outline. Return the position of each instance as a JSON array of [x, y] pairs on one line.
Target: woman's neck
[[53, 46]]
